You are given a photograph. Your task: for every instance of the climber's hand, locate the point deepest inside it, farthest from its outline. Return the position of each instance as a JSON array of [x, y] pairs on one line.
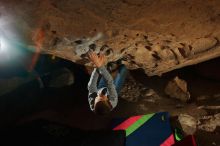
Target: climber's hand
[[97, 60]]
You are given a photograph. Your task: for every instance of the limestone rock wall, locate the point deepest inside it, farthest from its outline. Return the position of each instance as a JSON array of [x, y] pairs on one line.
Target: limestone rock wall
[[158, 36]]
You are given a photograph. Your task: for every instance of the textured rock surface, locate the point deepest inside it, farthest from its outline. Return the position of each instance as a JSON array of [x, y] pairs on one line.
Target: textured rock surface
[[177, 88], [209, 123], [188, 124], [60, 78], [158, 36], [133, 91]]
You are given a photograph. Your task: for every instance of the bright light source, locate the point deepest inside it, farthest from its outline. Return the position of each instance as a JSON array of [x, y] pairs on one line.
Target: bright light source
[[0, 44], [12, 45], [0, 41]]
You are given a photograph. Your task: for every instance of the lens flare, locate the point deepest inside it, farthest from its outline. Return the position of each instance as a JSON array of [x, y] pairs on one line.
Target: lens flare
[[12, 44], [4, 56]]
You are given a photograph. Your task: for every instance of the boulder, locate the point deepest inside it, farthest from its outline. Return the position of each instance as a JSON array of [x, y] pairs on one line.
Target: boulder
[[177, 88], [188, 124]]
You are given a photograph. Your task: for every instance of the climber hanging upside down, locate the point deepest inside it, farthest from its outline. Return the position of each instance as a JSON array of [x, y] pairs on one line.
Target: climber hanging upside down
[[104, 97]]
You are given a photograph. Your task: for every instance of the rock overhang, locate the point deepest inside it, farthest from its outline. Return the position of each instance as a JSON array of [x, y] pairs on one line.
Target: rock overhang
[[158, 36]]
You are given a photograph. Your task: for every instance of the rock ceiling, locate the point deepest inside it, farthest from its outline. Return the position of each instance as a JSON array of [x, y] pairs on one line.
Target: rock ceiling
[[156, 35]]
